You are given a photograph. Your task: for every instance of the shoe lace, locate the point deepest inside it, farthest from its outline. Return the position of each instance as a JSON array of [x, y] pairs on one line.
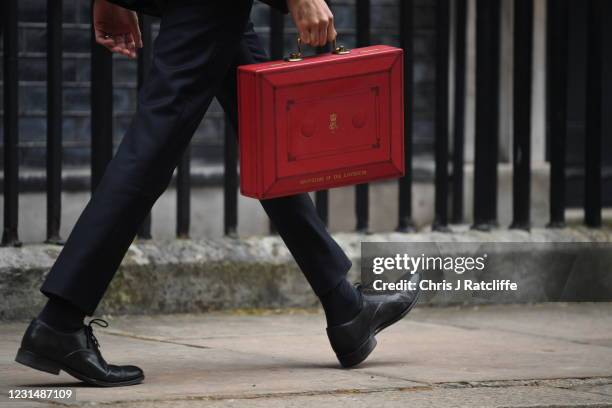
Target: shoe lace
[[90, 334]]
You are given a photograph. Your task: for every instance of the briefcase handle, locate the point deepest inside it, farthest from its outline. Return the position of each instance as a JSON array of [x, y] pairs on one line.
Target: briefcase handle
[[297, 56]]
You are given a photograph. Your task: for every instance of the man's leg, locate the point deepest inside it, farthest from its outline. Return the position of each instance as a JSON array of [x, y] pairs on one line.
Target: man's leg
[[353, 317], [195, 48], [319, 257]]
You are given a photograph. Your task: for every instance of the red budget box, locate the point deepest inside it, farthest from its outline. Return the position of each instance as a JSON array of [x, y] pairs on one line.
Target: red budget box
[[325, 121]]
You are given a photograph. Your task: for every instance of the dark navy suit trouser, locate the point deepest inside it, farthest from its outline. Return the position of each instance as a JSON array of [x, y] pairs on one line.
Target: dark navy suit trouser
[[199, 46]]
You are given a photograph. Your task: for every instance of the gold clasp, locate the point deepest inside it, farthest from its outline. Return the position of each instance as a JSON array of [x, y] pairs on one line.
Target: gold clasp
[[297, 56], [339, 50]]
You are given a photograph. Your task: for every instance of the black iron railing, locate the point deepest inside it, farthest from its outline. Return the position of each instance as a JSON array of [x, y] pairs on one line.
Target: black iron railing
[[459, 109], [406, 15], [523, 80], [488, 23], [557, 76], [441, 144]]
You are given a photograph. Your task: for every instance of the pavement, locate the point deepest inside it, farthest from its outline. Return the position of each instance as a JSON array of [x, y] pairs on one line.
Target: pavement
[[543, 355]]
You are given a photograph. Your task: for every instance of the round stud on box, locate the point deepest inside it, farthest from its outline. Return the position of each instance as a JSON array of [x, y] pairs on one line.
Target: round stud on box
[[308, 127]]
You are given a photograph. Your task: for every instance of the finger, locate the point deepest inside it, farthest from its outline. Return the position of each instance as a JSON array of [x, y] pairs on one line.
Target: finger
[[126, 46], [104, 39], [117, 47], [323, 33], [305, 36], [131, 45], [314, 36], [138, 37], [120, 45], [136, 31], [331, 32]]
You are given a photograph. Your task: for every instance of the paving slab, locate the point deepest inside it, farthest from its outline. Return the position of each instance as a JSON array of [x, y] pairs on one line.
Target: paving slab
[[253, 323], [601, 389], [535, 397], [580, 322], [604, 388], [432, 345], [187, 371], [555, 355]]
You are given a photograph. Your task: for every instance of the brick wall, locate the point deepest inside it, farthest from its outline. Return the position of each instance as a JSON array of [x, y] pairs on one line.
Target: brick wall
[[208, 141]]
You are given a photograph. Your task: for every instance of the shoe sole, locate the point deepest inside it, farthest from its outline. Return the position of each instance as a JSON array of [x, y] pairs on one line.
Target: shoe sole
[[40, 363], [364, 350]]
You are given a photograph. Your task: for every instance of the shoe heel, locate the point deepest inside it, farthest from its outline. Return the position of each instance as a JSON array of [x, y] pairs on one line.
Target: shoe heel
[[30, 359], [357, 356]]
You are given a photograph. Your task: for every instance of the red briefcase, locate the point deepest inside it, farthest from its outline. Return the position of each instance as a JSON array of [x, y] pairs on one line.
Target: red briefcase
[[319, 122]]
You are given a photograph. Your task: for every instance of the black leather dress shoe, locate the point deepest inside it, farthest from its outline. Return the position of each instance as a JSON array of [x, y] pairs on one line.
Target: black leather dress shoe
[[354, 341], [46, 349]]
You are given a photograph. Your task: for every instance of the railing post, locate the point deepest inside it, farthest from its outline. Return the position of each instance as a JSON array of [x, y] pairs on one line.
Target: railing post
[[523, 77], [362, 207], [54, 120], [461, 8], [101, 109], [277, 34], [441, 116], [183, 195], [594, 112], [487, 114], [363, 22], [145, 56], [556, 93], [11, 130], [230, 185], [405, 223]]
